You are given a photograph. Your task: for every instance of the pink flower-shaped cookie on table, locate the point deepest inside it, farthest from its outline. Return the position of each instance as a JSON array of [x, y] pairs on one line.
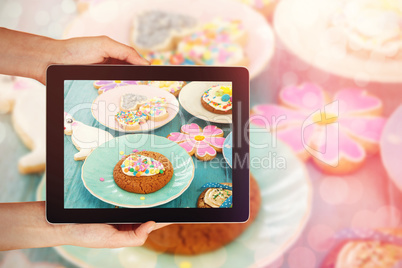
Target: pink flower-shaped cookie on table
[[106, 85], [338, 132], [204, 143]]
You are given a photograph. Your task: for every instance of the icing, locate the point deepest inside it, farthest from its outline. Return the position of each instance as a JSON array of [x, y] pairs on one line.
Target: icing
[[154, 107], [140, 165], [131, 118], [215, 197], [345, 128], [156, 29], [169, 86], [215, 43], [84, 137], [372, 25], [167, 58], [106, 85], [131, 101], [201, 142], [219, 97]]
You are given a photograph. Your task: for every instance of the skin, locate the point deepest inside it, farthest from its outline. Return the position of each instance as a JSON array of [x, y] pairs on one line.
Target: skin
[[24, 225]]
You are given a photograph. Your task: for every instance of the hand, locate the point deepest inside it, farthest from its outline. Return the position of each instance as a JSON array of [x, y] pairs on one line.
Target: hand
[[23, 225], [28, 55]]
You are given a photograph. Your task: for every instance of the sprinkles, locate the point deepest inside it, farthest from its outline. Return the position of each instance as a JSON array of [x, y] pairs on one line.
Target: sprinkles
[[140, 165]]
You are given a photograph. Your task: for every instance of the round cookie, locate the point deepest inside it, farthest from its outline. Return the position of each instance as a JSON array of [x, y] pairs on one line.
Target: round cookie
[[202, 203], [218, 99], [193, 239], [147, 182]]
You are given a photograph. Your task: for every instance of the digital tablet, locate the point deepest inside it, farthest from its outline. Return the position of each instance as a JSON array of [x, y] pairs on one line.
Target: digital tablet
[[129, 144]]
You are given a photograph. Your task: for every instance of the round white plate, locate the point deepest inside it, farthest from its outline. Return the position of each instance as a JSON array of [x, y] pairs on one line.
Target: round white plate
[[303, 26], [190, 100], [286, 204], [114, 19], [107, 105]]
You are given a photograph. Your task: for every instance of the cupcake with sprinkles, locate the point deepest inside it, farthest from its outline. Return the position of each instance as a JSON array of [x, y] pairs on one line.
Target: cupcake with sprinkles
[[218, 99], [143, 172]]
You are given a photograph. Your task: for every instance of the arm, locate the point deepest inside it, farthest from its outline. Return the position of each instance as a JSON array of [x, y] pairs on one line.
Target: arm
[[23, 225], [28, 55]]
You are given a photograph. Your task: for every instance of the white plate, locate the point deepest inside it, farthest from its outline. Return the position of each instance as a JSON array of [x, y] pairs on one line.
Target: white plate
[[303, 27], [285, 208], [114, 18], [190, 100], [107, 104]]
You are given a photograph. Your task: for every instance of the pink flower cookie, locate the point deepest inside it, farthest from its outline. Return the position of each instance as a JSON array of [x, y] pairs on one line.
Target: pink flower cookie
[[204, 143], [106, 85], [339, 133]]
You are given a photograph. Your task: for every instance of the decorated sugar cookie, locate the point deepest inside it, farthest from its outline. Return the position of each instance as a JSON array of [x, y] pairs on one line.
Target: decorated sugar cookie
[[131, 120], [26, 99], [218, 99], [371, 26], [155, 108], [131, 102], [173, 87], [171, 57], [85, 138], [157, 30], [203, 143], [143, 172], [339, 132], [106, 85]]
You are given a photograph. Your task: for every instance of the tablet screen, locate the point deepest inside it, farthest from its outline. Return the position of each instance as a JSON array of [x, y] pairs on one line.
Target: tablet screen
[[144, 144]]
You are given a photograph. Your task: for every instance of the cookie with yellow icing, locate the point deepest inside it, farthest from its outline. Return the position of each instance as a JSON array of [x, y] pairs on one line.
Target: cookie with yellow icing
[[143, 172], [173, 87], [218, 99]]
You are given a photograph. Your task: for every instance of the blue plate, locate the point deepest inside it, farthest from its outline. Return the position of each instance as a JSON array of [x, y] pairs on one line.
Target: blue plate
[[227, 149], [101, 162]]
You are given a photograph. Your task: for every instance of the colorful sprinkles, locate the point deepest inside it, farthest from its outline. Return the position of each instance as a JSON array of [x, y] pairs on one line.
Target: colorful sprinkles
[[131, 118], [140, 165], [219, 97]]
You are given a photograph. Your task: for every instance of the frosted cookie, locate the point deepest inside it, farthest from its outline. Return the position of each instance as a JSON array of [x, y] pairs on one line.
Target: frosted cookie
[[130, 120], [26, 99], [106, 85], [371, 26], [218, 99], [170, 57], [155, 109], [156, 30], [193, 239], [203, 143], [144, 172], [225, 31], [215, 195], [85, 138], [131, 102], [173, 87]]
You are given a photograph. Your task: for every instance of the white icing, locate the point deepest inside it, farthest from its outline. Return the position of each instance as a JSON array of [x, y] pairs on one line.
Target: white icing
[[372, 25], [132, 160], [212, 97], [85, 138], [216, 196]]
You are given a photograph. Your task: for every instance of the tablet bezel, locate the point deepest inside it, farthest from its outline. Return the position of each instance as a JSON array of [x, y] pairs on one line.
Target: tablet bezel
[[57, 74]]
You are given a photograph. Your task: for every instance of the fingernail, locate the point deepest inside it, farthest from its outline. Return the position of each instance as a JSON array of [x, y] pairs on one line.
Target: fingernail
[[150, 229]]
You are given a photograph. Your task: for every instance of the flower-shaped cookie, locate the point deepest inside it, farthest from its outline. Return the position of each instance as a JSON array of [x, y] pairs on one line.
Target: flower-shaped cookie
[[106, 85], [338, 133], [204, 143]]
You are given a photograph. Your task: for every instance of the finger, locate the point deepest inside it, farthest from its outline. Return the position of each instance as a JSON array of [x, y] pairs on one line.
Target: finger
[[119, 51], [161, 225]]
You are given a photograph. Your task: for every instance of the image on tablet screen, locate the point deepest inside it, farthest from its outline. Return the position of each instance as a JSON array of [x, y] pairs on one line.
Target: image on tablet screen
[[142, 144]]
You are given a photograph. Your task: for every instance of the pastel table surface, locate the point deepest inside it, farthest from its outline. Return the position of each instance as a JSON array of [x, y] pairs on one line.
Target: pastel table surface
[[75, 193]]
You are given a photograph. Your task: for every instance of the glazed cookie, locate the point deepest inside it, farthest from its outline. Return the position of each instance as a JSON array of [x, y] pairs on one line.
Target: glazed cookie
[[193, 239], [131, 102], [173, 87], [218, 99], [106, 85], [85, 138], [203, 143], [213, 197], [131, 120], [156, 30], [26, 99], [155, 109], [143, 173]]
